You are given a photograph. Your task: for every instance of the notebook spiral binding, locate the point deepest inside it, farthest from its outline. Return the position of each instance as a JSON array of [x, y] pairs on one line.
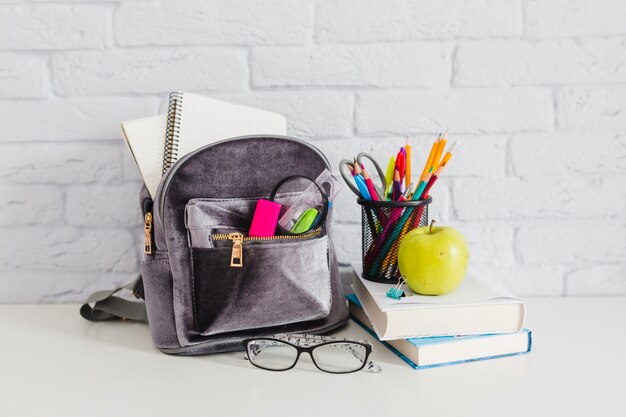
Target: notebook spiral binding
[[172, 130]]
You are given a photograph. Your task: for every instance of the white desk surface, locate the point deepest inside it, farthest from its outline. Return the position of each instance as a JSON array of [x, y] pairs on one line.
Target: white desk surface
[[54, 363]]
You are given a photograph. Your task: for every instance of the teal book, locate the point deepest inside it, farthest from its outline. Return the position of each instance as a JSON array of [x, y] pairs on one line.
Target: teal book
[[430, 352]]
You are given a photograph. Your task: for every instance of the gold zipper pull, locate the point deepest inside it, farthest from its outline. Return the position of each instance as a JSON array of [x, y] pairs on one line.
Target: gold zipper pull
[[147, 234], [236, 257]]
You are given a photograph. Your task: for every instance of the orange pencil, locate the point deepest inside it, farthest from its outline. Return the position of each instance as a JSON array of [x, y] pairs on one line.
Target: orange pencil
[[407, 177], [431, 156], [449, 153], [439, 152]]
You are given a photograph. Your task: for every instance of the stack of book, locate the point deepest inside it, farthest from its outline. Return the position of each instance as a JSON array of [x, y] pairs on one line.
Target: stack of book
[[477, 321]]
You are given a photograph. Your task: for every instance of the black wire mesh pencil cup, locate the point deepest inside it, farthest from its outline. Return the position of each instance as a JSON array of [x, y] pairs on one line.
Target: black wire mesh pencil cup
[[383, 225]]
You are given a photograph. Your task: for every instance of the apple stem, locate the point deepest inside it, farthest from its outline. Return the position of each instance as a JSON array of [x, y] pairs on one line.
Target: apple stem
[[430, 229]]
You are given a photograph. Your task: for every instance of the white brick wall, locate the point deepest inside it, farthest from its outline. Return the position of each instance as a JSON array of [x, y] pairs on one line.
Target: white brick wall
[[535, 90]]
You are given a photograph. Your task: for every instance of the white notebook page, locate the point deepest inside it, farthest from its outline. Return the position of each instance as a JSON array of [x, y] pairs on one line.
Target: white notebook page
[[205, 120]]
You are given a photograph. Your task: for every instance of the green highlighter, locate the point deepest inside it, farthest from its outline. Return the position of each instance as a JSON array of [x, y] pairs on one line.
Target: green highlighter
[[305, 221]]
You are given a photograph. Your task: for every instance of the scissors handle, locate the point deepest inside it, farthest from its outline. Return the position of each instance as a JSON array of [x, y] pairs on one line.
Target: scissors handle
[[379, 170], [347, 176]]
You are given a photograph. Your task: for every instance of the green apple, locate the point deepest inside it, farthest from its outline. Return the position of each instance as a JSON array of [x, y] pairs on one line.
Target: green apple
[[433, 260]]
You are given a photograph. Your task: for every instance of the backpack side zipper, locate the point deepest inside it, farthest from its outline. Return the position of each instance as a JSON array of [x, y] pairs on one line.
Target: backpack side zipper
[[147, 234]]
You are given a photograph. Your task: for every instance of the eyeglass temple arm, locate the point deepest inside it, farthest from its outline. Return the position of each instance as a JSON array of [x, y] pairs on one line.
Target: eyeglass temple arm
[[372, 367]]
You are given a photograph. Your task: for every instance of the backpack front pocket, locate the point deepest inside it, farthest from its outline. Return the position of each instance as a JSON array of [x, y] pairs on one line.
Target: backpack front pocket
[[278, 282]]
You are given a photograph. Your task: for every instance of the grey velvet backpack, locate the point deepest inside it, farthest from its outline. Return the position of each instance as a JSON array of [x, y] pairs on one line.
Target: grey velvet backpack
[[195, 302]]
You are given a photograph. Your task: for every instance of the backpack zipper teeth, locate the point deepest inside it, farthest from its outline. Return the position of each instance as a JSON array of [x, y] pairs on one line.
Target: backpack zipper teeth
[[236, 255], [227, 236]]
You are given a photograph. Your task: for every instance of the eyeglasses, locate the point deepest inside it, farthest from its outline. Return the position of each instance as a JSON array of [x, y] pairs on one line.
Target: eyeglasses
[[282, 351]]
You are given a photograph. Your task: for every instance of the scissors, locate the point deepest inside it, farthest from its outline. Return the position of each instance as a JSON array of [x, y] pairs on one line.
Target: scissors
[[348, 177]]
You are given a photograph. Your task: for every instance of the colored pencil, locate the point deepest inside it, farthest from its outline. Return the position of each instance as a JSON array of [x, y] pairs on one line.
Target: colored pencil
[[370, 186], [357, 168], [439, 152], [449, 153], [431, 157], [407, 176], [400, 164], [396, 186], [407, 192], [362, 186], [386, 253], [389, 177]]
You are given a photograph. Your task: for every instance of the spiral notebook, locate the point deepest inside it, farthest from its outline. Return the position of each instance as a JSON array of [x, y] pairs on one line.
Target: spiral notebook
[[193, 121]]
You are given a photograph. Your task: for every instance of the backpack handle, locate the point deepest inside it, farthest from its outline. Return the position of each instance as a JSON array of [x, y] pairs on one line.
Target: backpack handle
[[107, 306]]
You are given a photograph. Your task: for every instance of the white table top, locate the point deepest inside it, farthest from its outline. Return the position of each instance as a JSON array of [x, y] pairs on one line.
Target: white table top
[[54, 363]]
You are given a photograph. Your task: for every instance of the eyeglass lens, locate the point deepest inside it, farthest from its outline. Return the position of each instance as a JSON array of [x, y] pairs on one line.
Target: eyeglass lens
[[340, 357], [272, 354]]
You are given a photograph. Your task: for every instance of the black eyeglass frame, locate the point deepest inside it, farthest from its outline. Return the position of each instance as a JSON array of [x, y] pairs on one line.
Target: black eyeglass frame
[[309, 350]]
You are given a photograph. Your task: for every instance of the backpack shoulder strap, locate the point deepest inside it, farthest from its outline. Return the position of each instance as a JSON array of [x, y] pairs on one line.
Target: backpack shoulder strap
[[107, 306]]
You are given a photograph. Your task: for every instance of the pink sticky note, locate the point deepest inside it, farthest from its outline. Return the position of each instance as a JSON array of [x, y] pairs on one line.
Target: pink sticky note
[[265, 218]]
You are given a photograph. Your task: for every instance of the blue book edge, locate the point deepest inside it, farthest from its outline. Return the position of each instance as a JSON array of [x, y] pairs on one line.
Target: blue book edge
[[353, 299]]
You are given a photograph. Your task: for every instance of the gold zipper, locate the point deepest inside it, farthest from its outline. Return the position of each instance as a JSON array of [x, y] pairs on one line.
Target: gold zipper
[[236, 256], [147, 234]]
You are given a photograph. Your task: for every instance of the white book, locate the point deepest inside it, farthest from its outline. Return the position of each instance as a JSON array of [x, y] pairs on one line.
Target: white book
[[477, 306], [192, 122]]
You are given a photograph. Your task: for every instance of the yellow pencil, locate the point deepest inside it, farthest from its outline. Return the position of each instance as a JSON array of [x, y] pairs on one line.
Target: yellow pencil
[[429, 161], [439, 152], [449, 153]]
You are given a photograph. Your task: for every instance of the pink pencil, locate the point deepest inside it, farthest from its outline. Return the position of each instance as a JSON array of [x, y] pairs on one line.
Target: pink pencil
[[370, 186]]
